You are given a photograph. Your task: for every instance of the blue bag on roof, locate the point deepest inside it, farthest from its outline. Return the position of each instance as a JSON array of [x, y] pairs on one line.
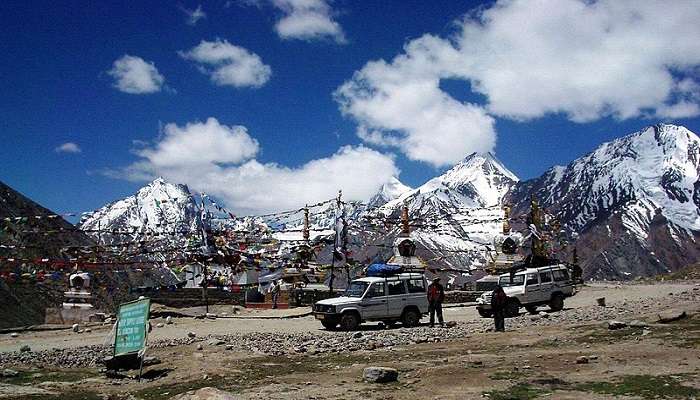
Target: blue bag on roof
[[384, 269]]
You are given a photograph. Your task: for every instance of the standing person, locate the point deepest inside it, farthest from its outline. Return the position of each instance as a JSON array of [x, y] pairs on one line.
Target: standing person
[[436, 294], [499, 299], [275, 290]]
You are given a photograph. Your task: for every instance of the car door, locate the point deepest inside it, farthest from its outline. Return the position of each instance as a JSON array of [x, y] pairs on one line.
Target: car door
[[533, 292], [546, 283], [417, 293], [396, 296], [374, 303]]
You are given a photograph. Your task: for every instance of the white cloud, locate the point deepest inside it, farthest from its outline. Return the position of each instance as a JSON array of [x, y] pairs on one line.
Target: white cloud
[[217, 159], [228, 64], [135, 75], [194, 16], [529, 58], [304, 19], [400, 104], [68, 147]]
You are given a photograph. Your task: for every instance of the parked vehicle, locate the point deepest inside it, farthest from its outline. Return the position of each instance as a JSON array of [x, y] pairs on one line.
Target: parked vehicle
[[531, 288], [390, 299]]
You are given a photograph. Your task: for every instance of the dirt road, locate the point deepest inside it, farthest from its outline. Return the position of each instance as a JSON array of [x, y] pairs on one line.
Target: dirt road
[[536, 358]]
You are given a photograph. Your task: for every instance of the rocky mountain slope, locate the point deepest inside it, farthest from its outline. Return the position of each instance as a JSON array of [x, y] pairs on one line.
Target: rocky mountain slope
[[30, 232], [634, 202]]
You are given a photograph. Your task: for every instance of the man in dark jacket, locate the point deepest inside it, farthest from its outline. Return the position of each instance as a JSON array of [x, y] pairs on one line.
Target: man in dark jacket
[[498, 305], [436, 294]]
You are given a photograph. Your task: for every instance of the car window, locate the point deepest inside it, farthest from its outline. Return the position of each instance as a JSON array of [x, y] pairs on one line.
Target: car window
[[396, 287], [377, 289], [515, 280], [532, 279], [416, 286], [560, 275], [545, 277]]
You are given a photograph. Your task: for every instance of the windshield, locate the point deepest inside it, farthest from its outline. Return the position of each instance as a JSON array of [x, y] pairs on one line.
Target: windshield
[[518, 280], [356, 289]]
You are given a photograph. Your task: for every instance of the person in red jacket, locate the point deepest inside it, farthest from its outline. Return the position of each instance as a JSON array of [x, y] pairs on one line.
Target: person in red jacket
[[499, 299], [436, 294]]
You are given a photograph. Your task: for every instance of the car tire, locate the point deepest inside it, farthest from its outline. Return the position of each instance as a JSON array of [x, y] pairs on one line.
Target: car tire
[[531, 309], [330, 324], [410, 318], [485, 313], [349, 321], [512, 309], [557, 302]]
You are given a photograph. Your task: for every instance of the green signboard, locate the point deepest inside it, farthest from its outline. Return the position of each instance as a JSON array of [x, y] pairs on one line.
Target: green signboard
[[132, 327]]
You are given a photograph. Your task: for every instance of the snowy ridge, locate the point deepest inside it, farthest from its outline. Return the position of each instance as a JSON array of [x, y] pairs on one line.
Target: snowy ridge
[[641, 191], [159, 207]]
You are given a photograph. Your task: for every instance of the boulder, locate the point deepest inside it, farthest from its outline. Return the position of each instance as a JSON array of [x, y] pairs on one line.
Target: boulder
[[380, 374], [612, 325], [8, 373], [206, 393], [671, 316]]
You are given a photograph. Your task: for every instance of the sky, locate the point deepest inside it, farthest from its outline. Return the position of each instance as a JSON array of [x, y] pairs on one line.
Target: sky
[[271, 104]]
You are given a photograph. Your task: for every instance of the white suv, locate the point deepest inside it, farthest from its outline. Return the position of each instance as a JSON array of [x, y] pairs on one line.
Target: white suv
[[400, 297], [531, 288]]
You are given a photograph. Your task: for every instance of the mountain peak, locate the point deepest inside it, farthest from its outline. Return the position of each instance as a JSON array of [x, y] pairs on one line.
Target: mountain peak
[[391, 190]]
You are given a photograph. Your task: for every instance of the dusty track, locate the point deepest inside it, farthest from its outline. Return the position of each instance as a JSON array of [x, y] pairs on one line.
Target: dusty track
[[532, 360]]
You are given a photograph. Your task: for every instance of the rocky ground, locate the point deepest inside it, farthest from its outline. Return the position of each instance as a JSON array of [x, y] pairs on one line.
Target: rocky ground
[[296, 359]]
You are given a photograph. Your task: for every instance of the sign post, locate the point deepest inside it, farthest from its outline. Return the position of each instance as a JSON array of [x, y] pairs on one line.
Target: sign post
[[132, 330]]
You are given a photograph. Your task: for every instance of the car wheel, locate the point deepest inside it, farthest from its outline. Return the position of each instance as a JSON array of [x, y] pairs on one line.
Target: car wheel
[[410, 318], [485, 313], [557, 302], [349, 322], [512, 309], [531, 309], [329, 324]]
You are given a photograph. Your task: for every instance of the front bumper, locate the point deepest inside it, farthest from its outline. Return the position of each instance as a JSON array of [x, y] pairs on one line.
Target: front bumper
[[322, 316]]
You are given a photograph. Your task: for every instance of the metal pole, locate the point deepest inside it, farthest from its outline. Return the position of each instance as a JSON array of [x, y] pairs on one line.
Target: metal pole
[[205, 249], [335, 242]]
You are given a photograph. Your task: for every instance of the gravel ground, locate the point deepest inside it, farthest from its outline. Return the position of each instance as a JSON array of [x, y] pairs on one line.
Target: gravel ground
[[626, 302]]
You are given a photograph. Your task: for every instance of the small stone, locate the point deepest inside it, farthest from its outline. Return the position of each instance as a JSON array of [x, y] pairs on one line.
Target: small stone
[[638, 324], [211, 316], [88, 330], [582, 360], [613, 325], [543, 314], [159, 325], [357, 335], [191, 334], [199, 346], [25, 349], [8, 373], [380, 374], [14, 334], [671, 316], [169, 320], [230, 347], [451, 324], [76, 328]]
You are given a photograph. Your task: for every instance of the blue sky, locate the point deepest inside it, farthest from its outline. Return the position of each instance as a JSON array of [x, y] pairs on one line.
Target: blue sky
[[532, 86]]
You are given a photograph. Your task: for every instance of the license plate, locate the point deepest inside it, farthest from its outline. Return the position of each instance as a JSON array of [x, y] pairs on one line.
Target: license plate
[[320, 316]]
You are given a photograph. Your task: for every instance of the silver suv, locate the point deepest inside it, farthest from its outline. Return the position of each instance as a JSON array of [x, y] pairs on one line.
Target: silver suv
[[400, 297], [531, 288]]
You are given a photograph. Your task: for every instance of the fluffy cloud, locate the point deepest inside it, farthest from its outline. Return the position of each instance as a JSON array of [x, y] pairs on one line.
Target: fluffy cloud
[[217, 159], [307, 20], [135, 75], [228, 64], [193, 16], [401, 104], [529, 58], [68, 147]]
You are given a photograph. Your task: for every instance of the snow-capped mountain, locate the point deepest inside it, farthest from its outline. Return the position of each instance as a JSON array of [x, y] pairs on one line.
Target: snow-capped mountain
[[160, 212], [452, 215], [389, 191], [634, 201]]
